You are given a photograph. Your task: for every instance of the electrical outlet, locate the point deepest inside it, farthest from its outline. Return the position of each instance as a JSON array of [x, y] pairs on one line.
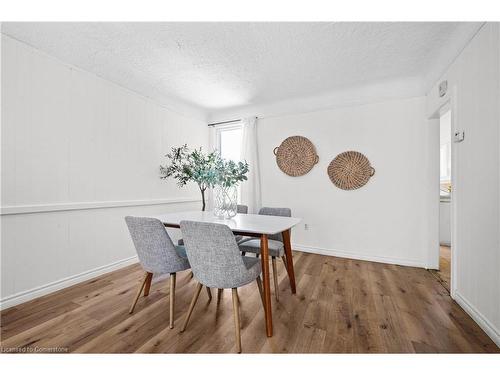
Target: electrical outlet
[[306, 226]]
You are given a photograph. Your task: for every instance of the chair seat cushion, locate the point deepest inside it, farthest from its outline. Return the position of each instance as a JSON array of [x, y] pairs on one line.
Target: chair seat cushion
[[181, 251], [240, 239], [276, 248]]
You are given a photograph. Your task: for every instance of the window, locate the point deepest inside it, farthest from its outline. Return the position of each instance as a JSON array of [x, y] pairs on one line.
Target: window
[[228, 138], [229, 141]]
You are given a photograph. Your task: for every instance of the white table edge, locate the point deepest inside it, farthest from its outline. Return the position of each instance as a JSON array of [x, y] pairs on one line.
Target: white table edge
[[175, 223]]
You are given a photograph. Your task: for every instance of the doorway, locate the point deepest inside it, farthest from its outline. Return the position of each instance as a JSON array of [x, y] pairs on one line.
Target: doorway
[[443, 274]]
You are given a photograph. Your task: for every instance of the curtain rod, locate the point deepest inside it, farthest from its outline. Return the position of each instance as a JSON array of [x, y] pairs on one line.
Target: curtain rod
[[223, 122], [226, 122]]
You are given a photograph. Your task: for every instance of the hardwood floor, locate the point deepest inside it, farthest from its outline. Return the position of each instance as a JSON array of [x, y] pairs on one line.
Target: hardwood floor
[[444, 272], [341, 306]]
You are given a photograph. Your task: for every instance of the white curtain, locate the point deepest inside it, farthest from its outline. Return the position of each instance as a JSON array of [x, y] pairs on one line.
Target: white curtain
[[212, 145], [250, 189]]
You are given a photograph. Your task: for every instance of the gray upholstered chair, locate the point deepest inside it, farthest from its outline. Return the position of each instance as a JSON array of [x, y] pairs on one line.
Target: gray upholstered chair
[[276, 246], [216, 262], [242, 209], [157, 255]]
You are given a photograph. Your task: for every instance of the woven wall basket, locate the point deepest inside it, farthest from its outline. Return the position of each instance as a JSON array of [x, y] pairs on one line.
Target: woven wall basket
[[350, 170], [296, 156]]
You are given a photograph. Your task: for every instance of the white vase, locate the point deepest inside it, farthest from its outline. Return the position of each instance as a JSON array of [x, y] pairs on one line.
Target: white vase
[[225, 201]]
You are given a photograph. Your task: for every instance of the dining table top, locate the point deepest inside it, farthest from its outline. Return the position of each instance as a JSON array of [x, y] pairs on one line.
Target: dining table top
[[245, 223]]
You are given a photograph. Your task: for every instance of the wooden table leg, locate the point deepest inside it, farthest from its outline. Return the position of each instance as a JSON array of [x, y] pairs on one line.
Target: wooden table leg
[[264, 251], [289, 259]]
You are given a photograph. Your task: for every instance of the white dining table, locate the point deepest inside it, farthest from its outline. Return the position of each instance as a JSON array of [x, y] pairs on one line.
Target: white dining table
[[249, 225]]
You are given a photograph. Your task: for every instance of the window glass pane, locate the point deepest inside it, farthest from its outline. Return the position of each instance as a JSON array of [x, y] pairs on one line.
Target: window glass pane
[[230, 144], [230, 147]]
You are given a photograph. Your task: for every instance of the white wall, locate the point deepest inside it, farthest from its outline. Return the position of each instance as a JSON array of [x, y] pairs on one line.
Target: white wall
[[473, 81], [387, 219], [78, 149]]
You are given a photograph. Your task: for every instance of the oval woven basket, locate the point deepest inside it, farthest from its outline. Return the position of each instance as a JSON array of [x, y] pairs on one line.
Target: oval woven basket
[[350, 170], [296, 156]]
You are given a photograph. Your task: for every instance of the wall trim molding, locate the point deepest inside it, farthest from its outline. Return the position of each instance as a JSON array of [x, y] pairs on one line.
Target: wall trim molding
[[54, 286], [480, 319], [351, 255], [72, 206]]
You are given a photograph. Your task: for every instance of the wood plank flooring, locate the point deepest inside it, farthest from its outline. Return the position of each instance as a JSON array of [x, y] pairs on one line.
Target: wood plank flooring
[[341, 306]]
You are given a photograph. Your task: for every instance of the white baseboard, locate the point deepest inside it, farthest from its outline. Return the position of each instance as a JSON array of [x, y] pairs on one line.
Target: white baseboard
[[28, 295], [351, 255], [485, 324]]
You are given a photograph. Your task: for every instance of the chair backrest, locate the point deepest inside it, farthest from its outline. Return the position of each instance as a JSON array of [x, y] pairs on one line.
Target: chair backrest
[[154, 247], [214, 256], [242, 209], [276, 211]]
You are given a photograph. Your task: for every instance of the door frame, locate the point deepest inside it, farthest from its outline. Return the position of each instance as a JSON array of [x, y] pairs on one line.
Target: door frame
[[450, 104]]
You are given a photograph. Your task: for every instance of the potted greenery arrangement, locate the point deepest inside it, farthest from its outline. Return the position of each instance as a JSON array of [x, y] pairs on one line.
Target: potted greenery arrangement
[[187, 165], [229, 175], [207, 171]]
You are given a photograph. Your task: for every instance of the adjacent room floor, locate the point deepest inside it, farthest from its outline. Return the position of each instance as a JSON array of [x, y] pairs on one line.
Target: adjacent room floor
[[443, 275], [341, 306]]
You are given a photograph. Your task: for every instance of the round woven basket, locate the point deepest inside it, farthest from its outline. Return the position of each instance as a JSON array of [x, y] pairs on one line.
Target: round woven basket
[[296, 156], [350, 170]]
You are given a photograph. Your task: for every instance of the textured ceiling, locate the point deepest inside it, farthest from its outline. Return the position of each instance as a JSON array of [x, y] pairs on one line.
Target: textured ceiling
[[215, 66]]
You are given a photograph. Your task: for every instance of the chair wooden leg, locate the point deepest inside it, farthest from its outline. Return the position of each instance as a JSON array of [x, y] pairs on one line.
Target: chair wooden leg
[[236, 314], [275, 277], [191, 306], [209, 294], [147, 285], [219, 294], [261, 292], [138, 294], [239, 309], [172, 299]]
